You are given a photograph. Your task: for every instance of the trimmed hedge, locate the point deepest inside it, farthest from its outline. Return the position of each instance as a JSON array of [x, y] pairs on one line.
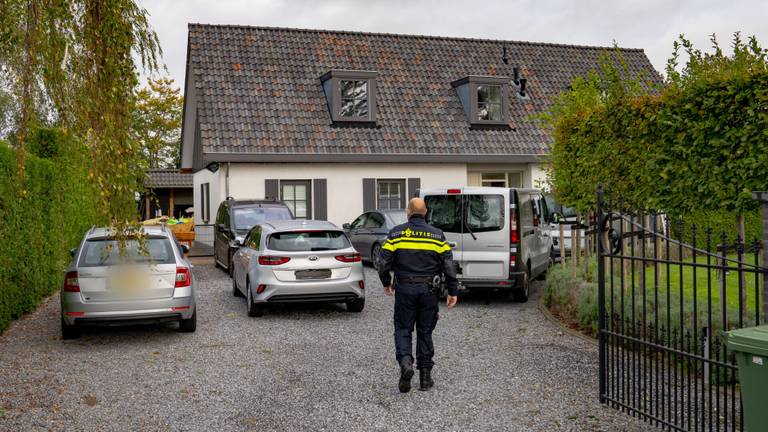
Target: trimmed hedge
[[44, 214]]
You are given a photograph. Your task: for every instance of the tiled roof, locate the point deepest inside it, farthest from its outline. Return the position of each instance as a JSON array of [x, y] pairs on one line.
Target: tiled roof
[[169, 178], [259, 91]]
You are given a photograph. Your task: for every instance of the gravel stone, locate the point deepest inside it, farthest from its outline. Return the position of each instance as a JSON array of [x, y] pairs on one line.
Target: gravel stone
[[500, 366]]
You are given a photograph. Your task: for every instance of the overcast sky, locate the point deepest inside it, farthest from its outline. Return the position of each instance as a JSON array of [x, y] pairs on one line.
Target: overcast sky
[[649, 24]]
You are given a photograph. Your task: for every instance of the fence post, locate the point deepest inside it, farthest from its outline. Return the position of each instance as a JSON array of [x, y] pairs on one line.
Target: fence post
[[762, 198], [601, 296], [562, 245]]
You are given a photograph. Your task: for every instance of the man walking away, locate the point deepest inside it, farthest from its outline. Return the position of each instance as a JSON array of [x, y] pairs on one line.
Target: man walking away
[[416, 252]]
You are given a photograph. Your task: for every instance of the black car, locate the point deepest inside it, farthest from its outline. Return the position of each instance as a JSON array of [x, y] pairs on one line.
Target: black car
[[369, 231], [233, 221]]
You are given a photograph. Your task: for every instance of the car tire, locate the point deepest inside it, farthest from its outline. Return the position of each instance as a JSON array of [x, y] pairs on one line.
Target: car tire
[[254, 310], [235, 292], [189, 325], [521, 294], [375, 253], [356, 305], [69, 331]]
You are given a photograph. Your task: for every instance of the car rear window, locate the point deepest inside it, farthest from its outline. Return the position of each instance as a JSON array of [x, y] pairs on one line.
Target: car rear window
[[246, 217], [444, 212], [307, 241], [103, 252], [482, 213]]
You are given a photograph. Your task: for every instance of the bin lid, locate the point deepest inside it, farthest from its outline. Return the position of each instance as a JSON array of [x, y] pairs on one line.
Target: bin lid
[[751, 340]]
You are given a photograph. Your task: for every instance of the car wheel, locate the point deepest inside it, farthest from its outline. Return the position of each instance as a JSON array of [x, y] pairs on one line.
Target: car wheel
[[521, 294], [235, 292], [254, 310], [69, 331], [189, 325], [356, 305], [375, 253]]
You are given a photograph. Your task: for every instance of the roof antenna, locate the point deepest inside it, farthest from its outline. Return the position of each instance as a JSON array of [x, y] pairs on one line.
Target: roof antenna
[[504, 57]]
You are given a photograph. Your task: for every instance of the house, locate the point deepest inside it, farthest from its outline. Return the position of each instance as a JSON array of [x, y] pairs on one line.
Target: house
[[169, 193], [335, 123]]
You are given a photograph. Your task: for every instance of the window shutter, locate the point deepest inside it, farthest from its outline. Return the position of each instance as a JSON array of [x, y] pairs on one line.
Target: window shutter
[[272, 189], [369, 194], [413, 185], [320, 189]]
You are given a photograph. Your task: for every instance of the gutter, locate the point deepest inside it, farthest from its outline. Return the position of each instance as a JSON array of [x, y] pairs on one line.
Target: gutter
[[370, 158]]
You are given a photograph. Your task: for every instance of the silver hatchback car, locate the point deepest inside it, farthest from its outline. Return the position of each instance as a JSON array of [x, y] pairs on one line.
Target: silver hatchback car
[[146, 283], [298, 261]]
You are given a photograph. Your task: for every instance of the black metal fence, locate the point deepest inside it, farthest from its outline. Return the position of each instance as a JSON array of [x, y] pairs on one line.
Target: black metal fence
[[667, 292]]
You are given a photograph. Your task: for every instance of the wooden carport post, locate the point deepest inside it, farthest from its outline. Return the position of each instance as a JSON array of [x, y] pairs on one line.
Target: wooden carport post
[[170, 205]]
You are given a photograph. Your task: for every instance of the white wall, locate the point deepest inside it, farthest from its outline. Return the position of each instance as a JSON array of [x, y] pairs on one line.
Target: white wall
[[345, 184], [216, 192], [539, 176]]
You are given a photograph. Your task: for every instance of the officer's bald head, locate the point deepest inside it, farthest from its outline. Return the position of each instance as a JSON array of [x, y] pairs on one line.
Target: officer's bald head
[[416, 206]]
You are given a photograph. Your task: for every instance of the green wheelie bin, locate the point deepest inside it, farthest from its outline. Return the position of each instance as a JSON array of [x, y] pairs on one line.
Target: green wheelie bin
[[750, 346]]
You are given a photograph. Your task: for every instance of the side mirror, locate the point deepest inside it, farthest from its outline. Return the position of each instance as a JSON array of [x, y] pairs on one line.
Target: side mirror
[[556, 217], [222, 228], [72, 252], [236, 243], [346, 227], [184, 249]]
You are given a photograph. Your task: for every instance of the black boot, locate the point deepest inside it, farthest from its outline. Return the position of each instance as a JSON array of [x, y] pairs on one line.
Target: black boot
[[406, 373], [425, 379]]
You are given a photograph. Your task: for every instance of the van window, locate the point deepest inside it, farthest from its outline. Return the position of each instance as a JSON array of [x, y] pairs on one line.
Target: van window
[[444, 212], [485, 212]]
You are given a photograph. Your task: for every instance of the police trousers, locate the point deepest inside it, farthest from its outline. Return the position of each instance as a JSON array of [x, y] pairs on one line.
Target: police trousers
[[415, 305]]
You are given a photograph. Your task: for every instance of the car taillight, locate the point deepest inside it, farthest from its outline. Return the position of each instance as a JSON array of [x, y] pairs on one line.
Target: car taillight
[[361, 284], [454, 191], [514, 233], [512, 261], [183, 278], [71, 282], [349, 258], [260, 289], [273, 260]]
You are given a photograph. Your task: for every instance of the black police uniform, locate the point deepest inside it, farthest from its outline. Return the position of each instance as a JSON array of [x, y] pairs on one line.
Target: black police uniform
[[416, 252]]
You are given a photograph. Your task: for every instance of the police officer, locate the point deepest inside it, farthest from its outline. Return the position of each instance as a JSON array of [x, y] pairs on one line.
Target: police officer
[[416, 252]]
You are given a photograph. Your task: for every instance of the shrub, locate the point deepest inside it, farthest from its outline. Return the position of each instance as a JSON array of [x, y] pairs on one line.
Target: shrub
[[44, 214]]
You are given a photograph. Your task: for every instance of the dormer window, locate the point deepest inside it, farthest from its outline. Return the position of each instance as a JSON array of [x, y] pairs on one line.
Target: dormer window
[[351, 95], [485, 99]]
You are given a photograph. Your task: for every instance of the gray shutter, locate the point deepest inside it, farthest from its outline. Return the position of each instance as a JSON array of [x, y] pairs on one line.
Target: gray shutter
[[413, 185], [320, 189], [369, 194], [272, 189]]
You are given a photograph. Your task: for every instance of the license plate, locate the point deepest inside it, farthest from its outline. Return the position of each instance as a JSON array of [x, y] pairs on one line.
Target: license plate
[[128, 282], [313, 274]]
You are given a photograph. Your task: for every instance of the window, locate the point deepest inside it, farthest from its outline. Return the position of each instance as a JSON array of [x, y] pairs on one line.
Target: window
[[253, 240], [358, 223], [246, 217], [485, 212], [391, 194], [375, 220], [297, 195], [501, 179], [308, 241], [444, 212], [489, 103], [105, 251], [485, 99], [354, 98], [351, 95]]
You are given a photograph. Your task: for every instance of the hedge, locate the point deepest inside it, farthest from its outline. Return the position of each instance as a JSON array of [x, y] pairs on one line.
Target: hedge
[[44, 213]]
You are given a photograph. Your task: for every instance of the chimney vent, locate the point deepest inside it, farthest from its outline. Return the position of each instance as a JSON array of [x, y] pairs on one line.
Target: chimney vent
[[516, 75], [522, 86], [504, 57]]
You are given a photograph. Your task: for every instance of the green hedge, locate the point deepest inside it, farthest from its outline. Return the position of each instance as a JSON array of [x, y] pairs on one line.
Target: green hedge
[[44, 213]]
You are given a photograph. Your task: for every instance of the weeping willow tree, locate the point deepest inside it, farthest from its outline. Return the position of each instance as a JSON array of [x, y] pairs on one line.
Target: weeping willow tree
[[75, 63]]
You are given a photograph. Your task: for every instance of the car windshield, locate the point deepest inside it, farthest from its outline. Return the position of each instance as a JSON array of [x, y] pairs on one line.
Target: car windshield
[[246, 217], [398, 217], [555, 207], [307, 241], [105, 251]]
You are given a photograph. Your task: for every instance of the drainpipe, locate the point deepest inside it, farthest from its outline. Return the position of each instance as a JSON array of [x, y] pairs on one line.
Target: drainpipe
[[226, 183]]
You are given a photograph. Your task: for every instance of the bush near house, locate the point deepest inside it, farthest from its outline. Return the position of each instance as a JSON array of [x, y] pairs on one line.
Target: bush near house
[[44, 212]]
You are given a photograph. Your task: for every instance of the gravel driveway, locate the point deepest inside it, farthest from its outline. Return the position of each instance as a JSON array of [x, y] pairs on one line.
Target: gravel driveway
[[500, 366]]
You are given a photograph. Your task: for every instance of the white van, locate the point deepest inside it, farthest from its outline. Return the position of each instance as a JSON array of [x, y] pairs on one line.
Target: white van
[[499, 235]]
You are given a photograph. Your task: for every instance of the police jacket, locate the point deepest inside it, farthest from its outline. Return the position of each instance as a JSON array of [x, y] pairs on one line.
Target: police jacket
[[417, 249]]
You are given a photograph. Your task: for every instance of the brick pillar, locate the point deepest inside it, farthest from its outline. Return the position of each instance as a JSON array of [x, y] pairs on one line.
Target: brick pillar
[[762, 198]]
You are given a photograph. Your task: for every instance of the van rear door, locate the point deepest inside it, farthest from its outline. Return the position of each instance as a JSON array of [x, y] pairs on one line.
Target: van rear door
[[444, 212], [485, 247]]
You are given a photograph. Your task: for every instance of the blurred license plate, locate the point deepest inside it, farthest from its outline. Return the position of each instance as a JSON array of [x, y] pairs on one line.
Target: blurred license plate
[[313, 274], [128, 282]]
